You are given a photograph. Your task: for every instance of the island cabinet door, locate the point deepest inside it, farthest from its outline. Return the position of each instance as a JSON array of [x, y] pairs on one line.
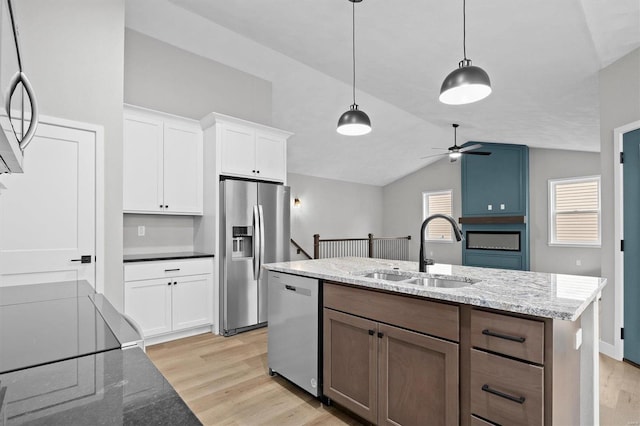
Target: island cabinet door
[[418, 379], [350, 362]]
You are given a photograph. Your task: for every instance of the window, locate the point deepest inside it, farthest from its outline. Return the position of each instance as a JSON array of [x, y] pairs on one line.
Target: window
[[574, 211], [437, 202]]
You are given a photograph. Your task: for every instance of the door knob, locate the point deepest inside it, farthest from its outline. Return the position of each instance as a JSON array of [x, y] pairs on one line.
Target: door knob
[[83, 259]]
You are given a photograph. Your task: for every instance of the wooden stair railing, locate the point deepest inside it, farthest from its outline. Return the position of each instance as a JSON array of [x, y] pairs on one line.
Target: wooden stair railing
[[299, 249], [385, 247]]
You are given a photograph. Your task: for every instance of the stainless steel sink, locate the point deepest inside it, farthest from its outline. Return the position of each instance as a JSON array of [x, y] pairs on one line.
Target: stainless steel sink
[[440, 282], [386, 277]]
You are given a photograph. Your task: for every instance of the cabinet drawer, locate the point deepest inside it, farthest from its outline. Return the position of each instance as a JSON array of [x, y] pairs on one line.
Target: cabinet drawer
[[162, 269], [475, 421], [516, 337], [436, 319], [505, 391]]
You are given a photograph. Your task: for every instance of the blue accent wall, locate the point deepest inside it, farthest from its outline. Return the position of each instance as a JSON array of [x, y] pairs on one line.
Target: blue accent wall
[[492, 186]]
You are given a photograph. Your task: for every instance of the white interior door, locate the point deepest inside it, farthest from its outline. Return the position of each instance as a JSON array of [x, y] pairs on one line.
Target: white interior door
[[48, 214]]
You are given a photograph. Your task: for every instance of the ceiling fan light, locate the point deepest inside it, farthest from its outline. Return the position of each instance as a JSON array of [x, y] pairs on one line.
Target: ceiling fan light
[[465, 85], [455, 155], [354, 122]]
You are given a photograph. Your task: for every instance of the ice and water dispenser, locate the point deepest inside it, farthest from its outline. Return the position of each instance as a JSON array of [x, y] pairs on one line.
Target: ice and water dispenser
[[242, 241]]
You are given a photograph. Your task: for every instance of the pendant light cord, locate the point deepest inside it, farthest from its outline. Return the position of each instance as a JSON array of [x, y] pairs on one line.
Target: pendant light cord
[[353, 39], [464, 28]]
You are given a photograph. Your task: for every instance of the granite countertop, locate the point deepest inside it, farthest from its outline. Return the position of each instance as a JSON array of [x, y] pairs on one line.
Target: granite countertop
[[556, 296], [149, 257], [117, 387]]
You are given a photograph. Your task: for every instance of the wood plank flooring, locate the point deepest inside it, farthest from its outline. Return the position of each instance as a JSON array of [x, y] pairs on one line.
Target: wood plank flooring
[[224, 380]]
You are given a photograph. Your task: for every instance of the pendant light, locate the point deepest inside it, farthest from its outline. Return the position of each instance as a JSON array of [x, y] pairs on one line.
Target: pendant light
[[354, 122], [468, 83]]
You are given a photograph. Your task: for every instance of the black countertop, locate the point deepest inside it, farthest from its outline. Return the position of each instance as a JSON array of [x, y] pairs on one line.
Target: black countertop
[[45, 323], [117, 387], [149, 257]]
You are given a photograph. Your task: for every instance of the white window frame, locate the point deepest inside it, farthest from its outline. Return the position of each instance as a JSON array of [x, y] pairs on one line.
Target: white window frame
[[552, 211], [425, 212]]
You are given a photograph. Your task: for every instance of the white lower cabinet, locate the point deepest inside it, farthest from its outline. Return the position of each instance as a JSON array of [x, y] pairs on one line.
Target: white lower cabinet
[[173, 302]]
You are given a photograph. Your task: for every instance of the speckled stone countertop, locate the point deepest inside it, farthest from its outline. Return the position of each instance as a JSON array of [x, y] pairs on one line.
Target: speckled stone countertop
[[556, 296], [117, 387]]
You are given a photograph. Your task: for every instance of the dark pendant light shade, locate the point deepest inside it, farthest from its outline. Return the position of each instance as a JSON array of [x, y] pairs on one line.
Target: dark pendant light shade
[[354, 122], [468, 83]]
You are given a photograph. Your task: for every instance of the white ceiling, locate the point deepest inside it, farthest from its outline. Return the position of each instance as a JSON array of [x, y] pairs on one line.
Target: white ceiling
[[543, 58]]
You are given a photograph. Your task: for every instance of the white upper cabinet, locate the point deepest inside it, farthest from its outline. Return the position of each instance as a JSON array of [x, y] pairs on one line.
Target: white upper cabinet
[[162, 164], [249, 149]]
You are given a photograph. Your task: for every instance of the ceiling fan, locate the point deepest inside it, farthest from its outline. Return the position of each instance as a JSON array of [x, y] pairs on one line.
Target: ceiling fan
[[455, 151]]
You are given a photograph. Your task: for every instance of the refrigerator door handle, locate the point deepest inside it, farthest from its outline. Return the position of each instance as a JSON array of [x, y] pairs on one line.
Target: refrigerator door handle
[[261, 221], [256, 242]]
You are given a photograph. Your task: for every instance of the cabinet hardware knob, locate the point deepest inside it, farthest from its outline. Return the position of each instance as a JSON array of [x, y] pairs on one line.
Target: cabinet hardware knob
[[160, 205], [175, 283], [169, 283], [518, 399], [380, 335], [253, 171], [518, 339], [257, 171], [166, 206], [371, 332]]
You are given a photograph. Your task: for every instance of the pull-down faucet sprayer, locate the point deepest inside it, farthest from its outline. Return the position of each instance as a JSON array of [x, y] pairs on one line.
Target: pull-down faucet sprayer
[[456, 230]]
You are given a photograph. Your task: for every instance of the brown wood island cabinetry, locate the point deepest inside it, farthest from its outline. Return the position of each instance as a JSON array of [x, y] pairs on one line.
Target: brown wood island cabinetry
[[405, 360], [391, 359]]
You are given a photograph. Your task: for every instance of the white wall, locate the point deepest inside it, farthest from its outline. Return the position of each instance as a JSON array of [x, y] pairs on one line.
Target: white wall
[[73, 53], [545, 164], [619, 105], [165, 78], [163, 234], [402, 214], [333, 209]]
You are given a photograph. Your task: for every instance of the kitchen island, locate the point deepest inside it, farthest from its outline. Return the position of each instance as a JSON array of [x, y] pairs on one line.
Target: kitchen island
[[493, 347]]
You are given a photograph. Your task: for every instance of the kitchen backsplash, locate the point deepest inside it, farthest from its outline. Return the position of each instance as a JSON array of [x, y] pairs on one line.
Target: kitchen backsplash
[[162, 234]]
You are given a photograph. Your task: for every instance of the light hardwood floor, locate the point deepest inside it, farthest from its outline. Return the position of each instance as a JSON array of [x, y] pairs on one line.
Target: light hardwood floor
[[224, 380]]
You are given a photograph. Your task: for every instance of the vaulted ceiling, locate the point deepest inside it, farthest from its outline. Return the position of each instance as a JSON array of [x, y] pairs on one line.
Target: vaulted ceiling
[[543, 58]]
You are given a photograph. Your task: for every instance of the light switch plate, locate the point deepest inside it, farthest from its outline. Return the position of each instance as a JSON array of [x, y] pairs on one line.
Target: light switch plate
[[501, 206], [489, 207]]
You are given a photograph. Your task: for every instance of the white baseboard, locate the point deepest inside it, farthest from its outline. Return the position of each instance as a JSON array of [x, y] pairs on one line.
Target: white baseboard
[[154, 340], [609, 350]]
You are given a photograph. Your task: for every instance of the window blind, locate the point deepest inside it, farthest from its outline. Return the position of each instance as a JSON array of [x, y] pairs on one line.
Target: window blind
[[575, 212], [438, 202]]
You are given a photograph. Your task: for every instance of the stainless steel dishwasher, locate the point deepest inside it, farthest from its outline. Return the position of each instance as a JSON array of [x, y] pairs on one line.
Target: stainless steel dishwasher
[[293, 336]]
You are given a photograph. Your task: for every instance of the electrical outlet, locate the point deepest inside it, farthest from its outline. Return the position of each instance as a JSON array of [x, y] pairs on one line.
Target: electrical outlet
[[501, 206], [578, 262], [141, 231], [489, 207]]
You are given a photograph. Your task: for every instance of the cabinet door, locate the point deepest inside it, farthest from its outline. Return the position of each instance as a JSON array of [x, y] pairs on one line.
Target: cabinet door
[[351, 362], [183, 159], [238, 155], [192, 301], [148, 302], [418, 382], [271, 157], [142, 165]]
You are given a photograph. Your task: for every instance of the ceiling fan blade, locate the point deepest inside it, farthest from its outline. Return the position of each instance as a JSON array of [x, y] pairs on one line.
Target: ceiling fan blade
[[435, 155], [469, 148], [441, 149], [475, 153]]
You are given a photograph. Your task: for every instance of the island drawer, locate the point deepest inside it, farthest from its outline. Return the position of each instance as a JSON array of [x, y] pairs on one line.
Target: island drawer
[[475, 421], [506, 391], [433, 318], [165, 269], [504, 334]]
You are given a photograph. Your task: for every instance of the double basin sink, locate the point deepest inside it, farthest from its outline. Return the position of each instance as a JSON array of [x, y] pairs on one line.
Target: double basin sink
[[438, 281]]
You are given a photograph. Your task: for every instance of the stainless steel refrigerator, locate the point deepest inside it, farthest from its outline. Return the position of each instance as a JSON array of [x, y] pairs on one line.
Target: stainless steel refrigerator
[[254, 229]]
